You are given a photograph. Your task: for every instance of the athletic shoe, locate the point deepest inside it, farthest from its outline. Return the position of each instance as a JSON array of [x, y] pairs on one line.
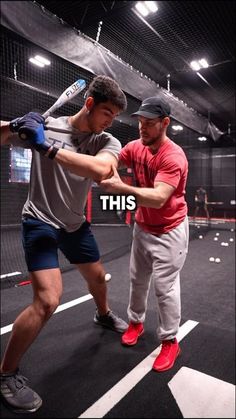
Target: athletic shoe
[[130, 337], [17, 395], [170, 350], [111, 321]]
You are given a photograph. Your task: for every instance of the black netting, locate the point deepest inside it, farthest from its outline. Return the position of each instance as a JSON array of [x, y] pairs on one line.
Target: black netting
[[26, 88]]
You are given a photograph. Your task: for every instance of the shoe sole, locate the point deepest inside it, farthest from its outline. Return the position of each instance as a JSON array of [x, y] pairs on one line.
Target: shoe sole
[[109, 328], [170, 366], [19, 410], [133, 343]]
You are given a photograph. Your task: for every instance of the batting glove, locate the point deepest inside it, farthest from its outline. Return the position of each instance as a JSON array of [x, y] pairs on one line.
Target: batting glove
[[17, 123], [33, 132]]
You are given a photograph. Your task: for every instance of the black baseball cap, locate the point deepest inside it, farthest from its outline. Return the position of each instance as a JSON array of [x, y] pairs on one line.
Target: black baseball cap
[[153, 107]]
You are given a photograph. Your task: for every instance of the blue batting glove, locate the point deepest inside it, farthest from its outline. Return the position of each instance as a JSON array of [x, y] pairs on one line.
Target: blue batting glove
[[17, 123], [33, 132]]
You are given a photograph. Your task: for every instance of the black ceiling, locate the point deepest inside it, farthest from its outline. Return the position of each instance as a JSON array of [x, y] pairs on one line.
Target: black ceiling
[[166, 43]]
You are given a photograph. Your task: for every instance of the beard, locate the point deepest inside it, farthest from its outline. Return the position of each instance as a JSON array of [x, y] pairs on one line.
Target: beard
[[147, 141], [152, 141]]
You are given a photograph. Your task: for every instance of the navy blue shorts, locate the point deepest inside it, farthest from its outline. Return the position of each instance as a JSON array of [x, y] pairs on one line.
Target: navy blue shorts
[[41, 242]]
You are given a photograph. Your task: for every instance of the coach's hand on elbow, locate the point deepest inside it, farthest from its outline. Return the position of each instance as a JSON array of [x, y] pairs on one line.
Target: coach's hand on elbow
[[114, 183]]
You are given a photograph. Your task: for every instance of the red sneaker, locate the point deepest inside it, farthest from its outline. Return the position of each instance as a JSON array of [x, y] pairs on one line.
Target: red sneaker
[[169, 352], [130, 337]]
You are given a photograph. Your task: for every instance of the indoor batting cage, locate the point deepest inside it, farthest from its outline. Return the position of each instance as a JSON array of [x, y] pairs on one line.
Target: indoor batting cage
[[118, 206], [71, 55]]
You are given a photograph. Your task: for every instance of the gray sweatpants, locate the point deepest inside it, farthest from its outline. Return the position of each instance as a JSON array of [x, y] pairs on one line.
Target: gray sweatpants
[[158, 259]]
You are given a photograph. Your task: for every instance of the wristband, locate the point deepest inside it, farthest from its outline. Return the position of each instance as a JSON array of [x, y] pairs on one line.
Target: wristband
[[52, 152]]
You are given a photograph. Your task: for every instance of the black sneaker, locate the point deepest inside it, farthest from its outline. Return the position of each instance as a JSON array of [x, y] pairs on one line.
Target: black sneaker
[[111, 321], [17, 395]]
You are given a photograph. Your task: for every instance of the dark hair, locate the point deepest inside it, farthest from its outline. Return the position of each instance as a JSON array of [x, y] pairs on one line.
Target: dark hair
[[104, 89]]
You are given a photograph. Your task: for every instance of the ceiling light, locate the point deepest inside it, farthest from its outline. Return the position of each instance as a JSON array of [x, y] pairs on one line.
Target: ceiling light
[[151, 5], [196, 65], [36, 62], [203, 63], [141, 8], [177, 127], [202, 139], [42, 60]]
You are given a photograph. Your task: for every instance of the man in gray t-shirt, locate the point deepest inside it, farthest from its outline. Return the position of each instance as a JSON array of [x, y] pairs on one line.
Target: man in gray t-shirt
[[56, 196], [53, 218]]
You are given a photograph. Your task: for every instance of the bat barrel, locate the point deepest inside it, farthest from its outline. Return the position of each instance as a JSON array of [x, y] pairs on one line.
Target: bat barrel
[[67, 95]]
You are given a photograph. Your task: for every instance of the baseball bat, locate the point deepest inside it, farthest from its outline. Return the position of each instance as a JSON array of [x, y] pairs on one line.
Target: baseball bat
[[67, 95]]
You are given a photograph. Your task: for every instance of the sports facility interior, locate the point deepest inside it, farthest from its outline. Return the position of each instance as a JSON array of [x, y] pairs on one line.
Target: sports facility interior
[[79, 369]]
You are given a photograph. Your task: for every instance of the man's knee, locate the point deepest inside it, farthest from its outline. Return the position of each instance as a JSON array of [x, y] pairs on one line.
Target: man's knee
[[47, 305], [93, 273], [98, 277]]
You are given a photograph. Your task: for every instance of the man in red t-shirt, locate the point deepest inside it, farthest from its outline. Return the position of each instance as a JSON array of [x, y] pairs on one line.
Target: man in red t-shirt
[[161, 232]]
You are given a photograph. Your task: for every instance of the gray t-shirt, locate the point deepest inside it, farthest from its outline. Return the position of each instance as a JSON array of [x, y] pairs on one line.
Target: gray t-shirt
[[57, 196]]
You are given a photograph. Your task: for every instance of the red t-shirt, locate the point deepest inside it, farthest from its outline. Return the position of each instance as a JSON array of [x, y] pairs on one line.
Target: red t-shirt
[[169, 164]]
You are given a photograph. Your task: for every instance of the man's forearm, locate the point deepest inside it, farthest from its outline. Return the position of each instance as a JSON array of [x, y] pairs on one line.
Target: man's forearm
[[147, 197], [84, 165]]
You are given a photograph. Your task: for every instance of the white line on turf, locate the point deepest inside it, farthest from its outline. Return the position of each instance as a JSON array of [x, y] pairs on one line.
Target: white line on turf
[[62, 307], [10, 274], [102, 406], [204, 396]]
